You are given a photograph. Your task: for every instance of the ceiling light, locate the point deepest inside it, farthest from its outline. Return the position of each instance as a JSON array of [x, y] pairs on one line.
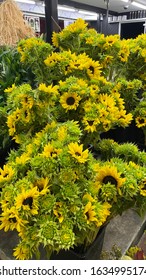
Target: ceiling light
[[26, 1], [66, 9], [138, 5], [87, 13], [125, 1]]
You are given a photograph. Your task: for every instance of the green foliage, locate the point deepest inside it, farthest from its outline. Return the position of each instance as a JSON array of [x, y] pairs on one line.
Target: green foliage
[[11, 70]]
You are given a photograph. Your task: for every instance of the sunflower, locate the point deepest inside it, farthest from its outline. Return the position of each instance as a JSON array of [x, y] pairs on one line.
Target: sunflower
[[58, 212], [89, 213], [50, 151], [28, 200], [29, 149], [110, 41], [93, 69], [116, 88], [106, 100], [88, 197], [6, 173], [77, 26], [42, 185], [94, 90], [66, 238], [17, 114], [140, 121], [123, 54], [107, 125], [107, 60], [43, 87], [24, 158], [10, 220], [90, 124], [109, 174], [26, 101], [103, 211], [11, 124], [70, 101], [48, 89], [26, 116], [10, 89], [22, 251], [88, 106], [124, 119], [55, 39], [48, 231], [143, 188], [77, 152]]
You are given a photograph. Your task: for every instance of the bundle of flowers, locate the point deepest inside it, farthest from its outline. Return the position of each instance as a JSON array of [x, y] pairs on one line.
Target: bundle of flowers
[[123, 62], [48, 192], [72, 99], [33, 52], [117, 57], [56, 195]]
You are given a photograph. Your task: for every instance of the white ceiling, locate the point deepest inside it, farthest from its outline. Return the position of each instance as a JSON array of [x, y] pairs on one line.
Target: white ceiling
[[114, 5]]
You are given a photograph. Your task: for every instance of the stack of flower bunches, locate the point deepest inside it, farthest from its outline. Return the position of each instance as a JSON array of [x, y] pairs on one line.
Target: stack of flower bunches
[[55, 192]]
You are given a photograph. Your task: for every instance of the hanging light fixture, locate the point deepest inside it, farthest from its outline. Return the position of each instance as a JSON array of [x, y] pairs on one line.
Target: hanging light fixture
[[135, 3]]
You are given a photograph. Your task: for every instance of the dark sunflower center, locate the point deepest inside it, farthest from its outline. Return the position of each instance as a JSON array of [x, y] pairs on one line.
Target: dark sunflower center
[[66, 67], [87, 215], [13, 220], [53, 154], [26, 114], [78, 154], [77, 64], [110, 179], [59, 215], [90, 123], [91, 69], [144, 186], [141, 121], [26, 99], [110, 42], [5, 175], [40, 187], [28, 201], [70, 100]]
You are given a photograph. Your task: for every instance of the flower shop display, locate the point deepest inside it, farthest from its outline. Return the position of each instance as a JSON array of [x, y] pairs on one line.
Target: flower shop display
[[66, 181]]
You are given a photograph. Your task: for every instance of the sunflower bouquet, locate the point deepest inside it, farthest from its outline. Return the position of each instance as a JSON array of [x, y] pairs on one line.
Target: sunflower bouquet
[[124, 58], [48, 192], [123, 62], [56, 195], [65, 181], [95, 105], [33, 52]]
